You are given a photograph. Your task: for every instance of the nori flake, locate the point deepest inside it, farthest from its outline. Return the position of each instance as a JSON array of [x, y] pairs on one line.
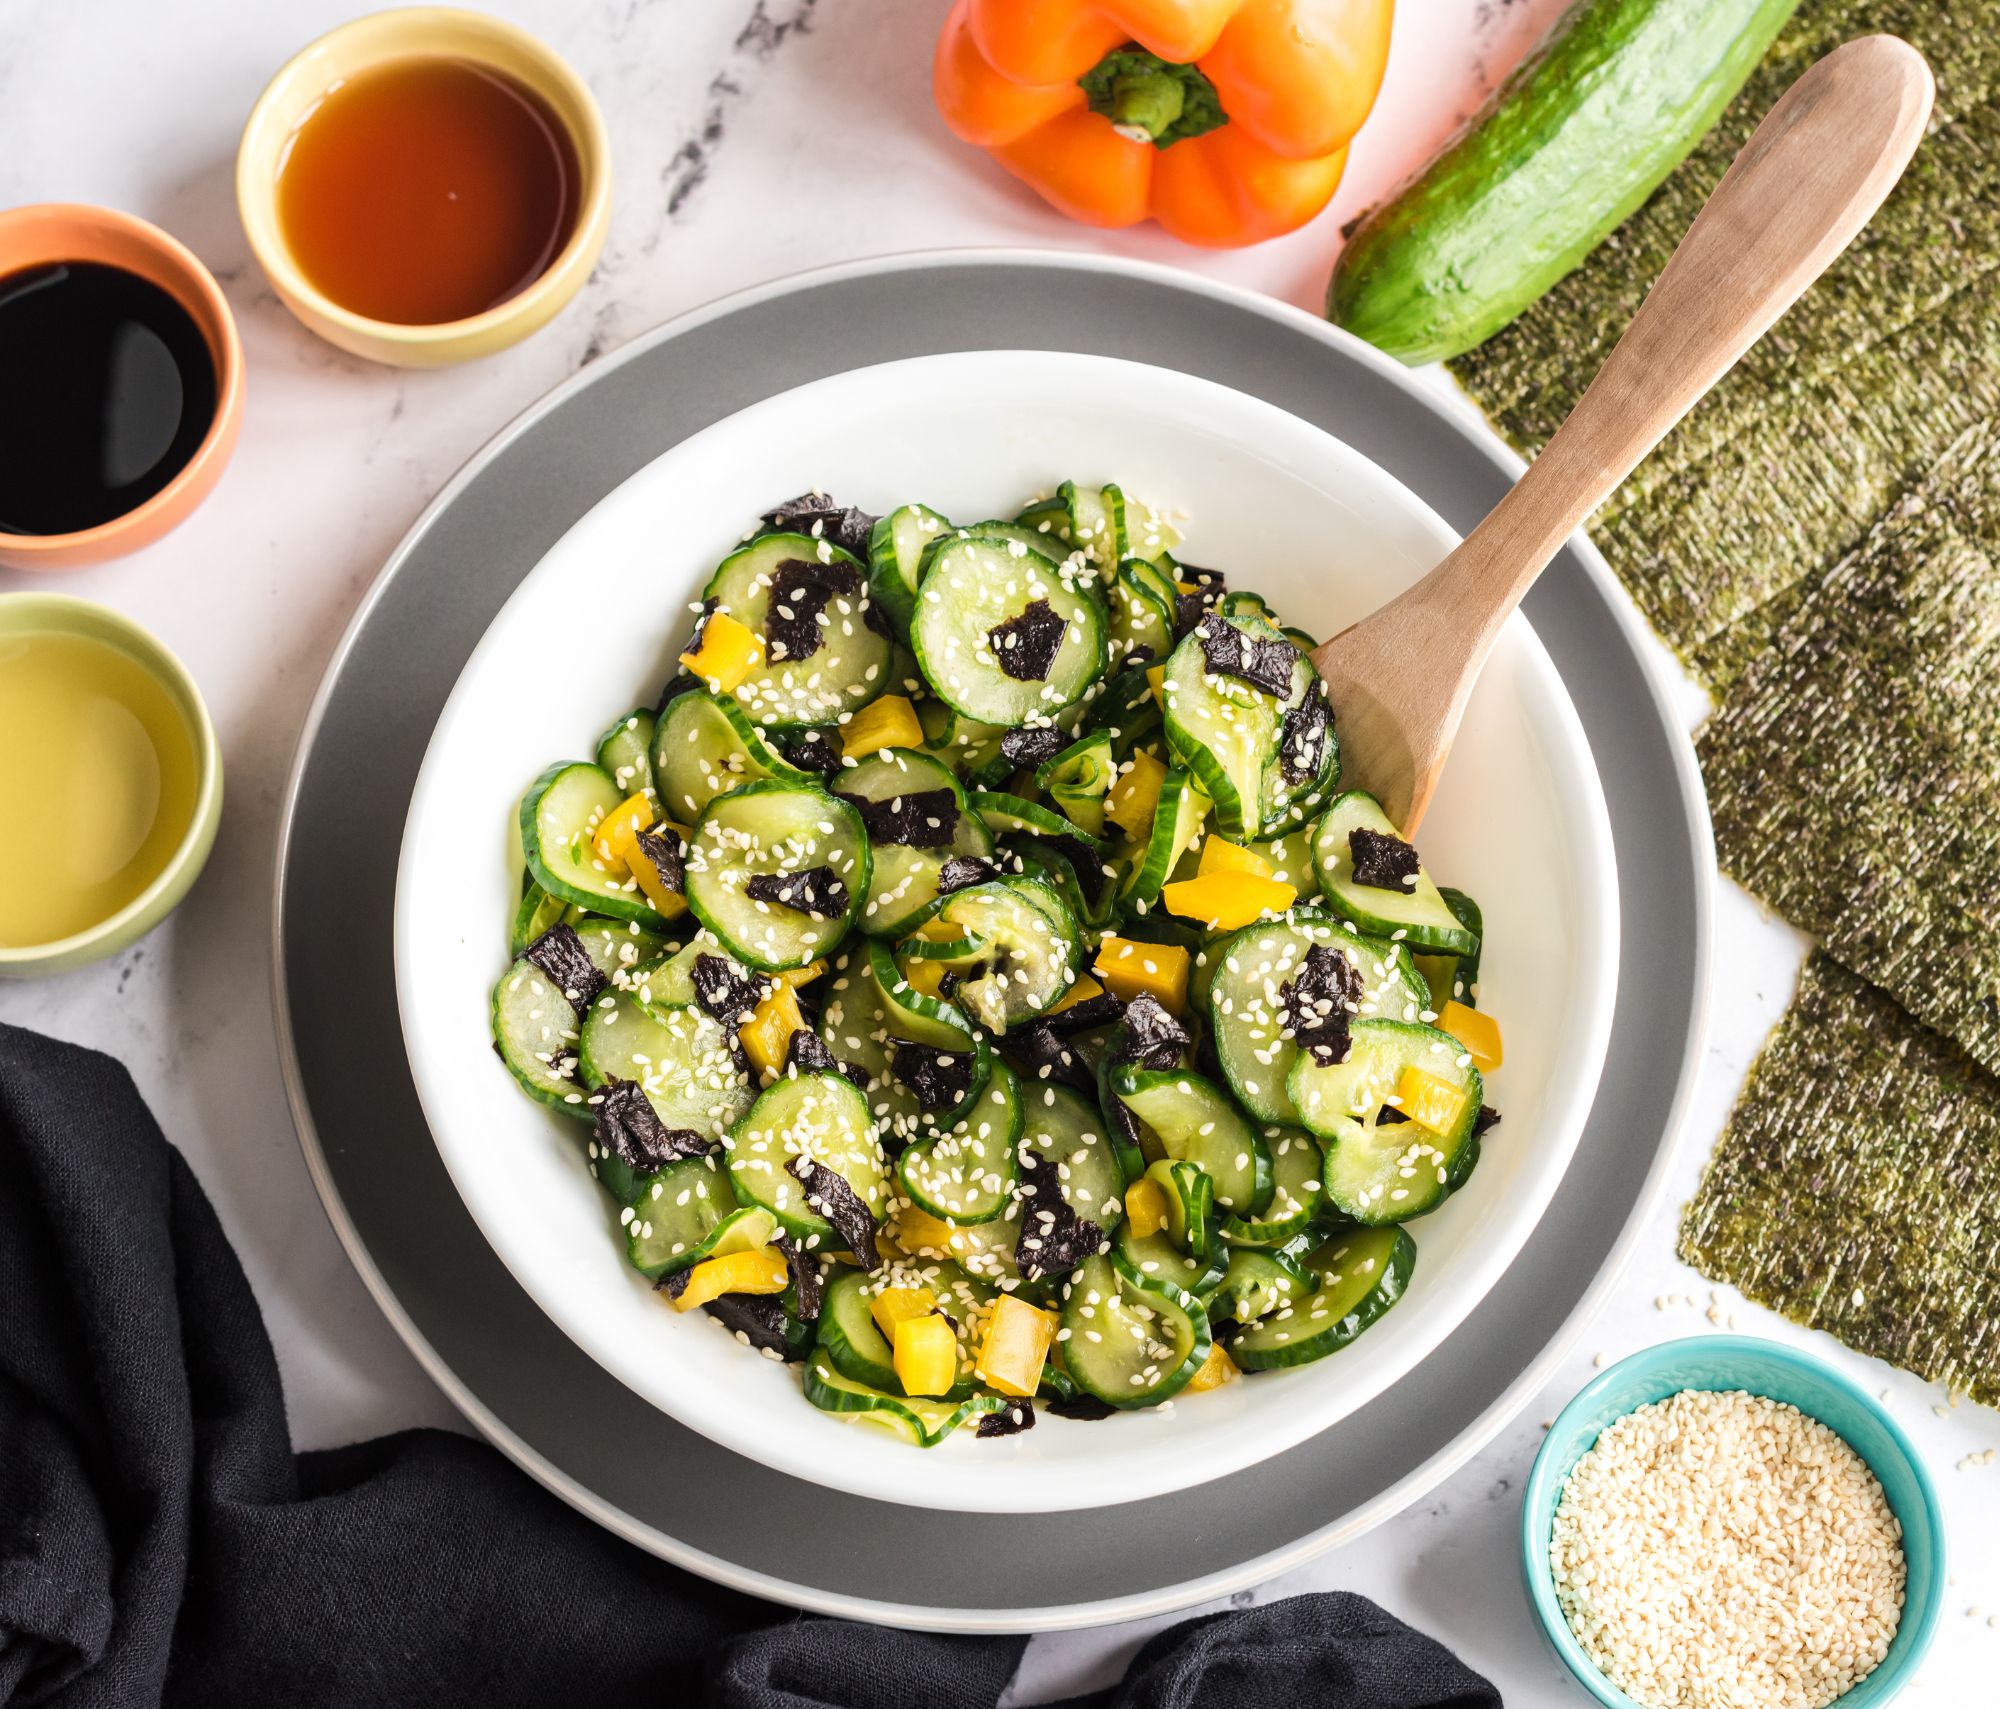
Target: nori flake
[[1010, 1420], [629, 1127], [1151, 1037], [845, 525], [761, 1321], [1302, 737], [812, 750], [828, 1193], [808, 1279], [726, 989], [800, 590], [668, 855], [941, 1079], [1096, 1011], [1191, 608], [1080, 1406], [1039, 1054], [923, 819], [1382, 862], [961, 872], [560, 954], [816, 890], [1262, 664], [1319, 1001], [807, 1053], [1031, 744], [1025, 646], [675, 1283], [1053, 1238], [1488, 1117]]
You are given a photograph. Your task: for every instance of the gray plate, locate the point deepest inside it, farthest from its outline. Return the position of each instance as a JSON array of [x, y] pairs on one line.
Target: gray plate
[[579, 1430]]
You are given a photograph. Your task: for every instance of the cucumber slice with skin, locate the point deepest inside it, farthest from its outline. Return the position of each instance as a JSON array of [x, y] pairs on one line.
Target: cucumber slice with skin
[[1096, 521], [912, 1015], [853, 661], [534, 1029], [924, 1423], [966, 1174], [1186, 1117], [1076, 781], [1004, 813], [619, 949], [1190, 1197], [1455, 978], [1025, 949], [861, 1025], [538, 911], [896, 549], [1140, 626], [1418, 916], [903, 881], [559, 816], [1130, 1344], [1095, 906], [849, 1335], [970, 748], [705, 745], [686, 1213], [970, 587], [1151, 1259], [862, 1353], [1358, 1274], [1261, 1283], [774, 828], [1245, 1000], [1384, 1172], [1176, 823], [682, 1059], [823, 1117], [1291, 858], [626, 752], [1066, 1129], [1297, 1192]]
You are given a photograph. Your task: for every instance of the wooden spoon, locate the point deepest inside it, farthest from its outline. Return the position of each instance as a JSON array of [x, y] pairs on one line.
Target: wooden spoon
[[1806, 182]]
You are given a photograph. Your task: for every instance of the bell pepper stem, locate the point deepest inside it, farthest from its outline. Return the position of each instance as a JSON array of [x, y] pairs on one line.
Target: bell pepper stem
[[1149, 99]]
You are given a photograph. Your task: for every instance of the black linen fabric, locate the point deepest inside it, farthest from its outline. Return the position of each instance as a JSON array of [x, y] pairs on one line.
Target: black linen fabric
[[160, 1543]]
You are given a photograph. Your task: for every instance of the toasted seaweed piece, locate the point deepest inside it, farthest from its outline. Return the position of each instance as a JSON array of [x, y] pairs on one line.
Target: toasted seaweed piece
[[923, 819], [674, 1283], [1319, 1001], [961, 872], [800, 590], [941, 1079], [726, 989], [829, 1194], [1262, 664], [845, 525], [1488, 1117], [1190, 608], [816, 890], [807, 1054], [667, 851], [808, 1278], [1152, 1038], [1852, 1189], [560, 954], [1025, 646], [1209, 581], [812, 750], [1302, 737], [1382, 862], [1389, 1116], [1030, 744], [762, 1322], [1080, 1406], [1098, 1011], [1038, 1053], [628, 1126], [1010, 1420], [1053, 1238]]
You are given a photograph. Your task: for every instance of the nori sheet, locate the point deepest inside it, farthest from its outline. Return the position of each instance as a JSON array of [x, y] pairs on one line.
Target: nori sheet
[[1854, 770], [1856, 1188]]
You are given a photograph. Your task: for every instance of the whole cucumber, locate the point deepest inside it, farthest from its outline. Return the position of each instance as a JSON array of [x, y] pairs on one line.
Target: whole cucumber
[[1577, 137]]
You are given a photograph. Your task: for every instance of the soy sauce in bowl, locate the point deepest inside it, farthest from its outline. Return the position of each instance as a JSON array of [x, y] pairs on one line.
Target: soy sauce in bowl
[[107, 390]]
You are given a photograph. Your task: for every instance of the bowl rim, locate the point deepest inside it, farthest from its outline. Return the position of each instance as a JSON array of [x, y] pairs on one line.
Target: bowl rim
[[182, 274], [1596, 969], [411, 32], [1542, 1491], [67, 614]]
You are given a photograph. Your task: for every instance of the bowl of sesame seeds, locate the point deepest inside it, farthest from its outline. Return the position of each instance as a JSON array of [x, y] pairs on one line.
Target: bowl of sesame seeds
[[1728, 1523]]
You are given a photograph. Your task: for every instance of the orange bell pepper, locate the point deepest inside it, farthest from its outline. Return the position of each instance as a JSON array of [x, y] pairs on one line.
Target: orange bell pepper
[[1225, 120]]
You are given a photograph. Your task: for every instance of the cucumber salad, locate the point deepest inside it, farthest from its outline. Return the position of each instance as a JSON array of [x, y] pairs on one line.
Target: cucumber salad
[[972, 985]]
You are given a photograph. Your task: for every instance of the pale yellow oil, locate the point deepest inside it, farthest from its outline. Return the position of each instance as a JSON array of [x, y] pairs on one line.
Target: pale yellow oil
[[97, 784]]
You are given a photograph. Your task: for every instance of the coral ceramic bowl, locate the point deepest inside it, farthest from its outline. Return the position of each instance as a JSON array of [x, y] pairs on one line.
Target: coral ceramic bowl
[[410, 33], [54, 232]]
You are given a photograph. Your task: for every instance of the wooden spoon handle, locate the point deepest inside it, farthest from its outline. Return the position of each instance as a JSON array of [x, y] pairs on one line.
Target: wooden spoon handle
[[1805, 183]]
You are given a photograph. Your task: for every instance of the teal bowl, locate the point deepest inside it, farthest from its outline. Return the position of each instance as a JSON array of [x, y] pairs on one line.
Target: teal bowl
[[1782, 1374]]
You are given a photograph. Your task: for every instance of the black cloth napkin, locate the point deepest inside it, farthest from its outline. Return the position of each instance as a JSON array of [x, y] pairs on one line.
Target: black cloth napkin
[[161, 1544]]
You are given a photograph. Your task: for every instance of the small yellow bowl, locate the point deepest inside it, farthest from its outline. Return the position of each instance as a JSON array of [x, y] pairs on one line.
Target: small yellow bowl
[[421, 32]]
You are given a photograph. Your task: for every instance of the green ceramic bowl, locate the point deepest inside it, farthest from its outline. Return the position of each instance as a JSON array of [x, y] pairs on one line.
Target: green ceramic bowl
[[25, 613], [1781, 1374]]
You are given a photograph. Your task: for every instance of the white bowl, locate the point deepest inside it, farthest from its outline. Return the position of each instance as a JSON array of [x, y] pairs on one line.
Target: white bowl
[[1278, 505]]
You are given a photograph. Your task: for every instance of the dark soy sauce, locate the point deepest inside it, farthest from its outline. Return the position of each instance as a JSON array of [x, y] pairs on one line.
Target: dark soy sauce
[[107, 390]]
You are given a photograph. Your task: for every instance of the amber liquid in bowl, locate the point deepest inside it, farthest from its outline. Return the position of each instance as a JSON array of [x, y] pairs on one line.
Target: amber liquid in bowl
[[427, 190]]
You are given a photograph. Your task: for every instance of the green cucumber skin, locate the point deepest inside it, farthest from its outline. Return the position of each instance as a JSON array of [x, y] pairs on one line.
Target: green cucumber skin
[[1569, 146]]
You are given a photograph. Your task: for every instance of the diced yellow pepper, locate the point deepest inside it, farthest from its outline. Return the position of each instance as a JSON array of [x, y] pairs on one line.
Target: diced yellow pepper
[[1428, 1101], [1218, 1368], [798, 978], [1223, 901], [1146, 1207], [1134, 796], [1219, 855], [1082, 991], [920, 1234], [761, 1270], [1156, 680], [1129, 970], [1188, 587], [1018, 1338], [923, 974], [767, 1035], [1479, 1033], [888, 721], [618, 828], [926, 1354], [892, 1305], [728, 653]]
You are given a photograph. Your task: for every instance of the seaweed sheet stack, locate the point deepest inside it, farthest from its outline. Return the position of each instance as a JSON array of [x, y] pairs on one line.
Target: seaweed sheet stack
[[1820, 543]]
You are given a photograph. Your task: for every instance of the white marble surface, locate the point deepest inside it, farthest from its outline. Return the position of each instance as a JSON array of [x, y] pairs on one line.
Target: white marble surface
[[752, 138]]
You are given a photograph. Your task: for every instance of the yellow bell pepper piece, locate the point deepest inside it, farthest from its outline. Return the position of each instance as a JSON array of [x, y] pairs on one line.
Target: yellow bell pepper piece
[[761, 1270], [1428, 1101], [1218, 855], [926, 1350], [1082, 991], [1188, 587], [1156, 680], [728, 653], [920, 1234], [1018, 1339], [888, 721], [893, 1305], [798, 978], [1146, 1207], [1218, 1368], [618, 828], [1129, 970], [924, 975], [1223, 901], [1134, 796], [767, 1035], [1479, 1033]]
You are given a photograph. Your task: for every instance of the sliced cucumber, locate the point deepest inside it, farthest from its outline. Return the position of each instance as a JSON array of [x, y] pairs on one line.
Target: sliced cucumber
[[705, 745], [682, 1059], [1153, 1258], [537, 912], [903, 881], [775, 829], [970, 588], [1141, 627], [619, 949], [1358, 1275], [626, 752], [1087, 882], [1384, 1172], [1176, 822], [861, 1026], [534, 1029], [924, 1423], [1068, 1130], [1096, 521], [1190, 1201], [896, 550], [824, 1118], [1259, 1284], [1005, 813], [1130, 1344], [1297, 1192], [1186, 1117], [1291, 858], [848, 1333], [687, 1213], [967, 1173], [1077, 778], [912, 1015], [1418, 916], [1455, 978], [1245, 1000], [559, 817], [1018, 950]]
